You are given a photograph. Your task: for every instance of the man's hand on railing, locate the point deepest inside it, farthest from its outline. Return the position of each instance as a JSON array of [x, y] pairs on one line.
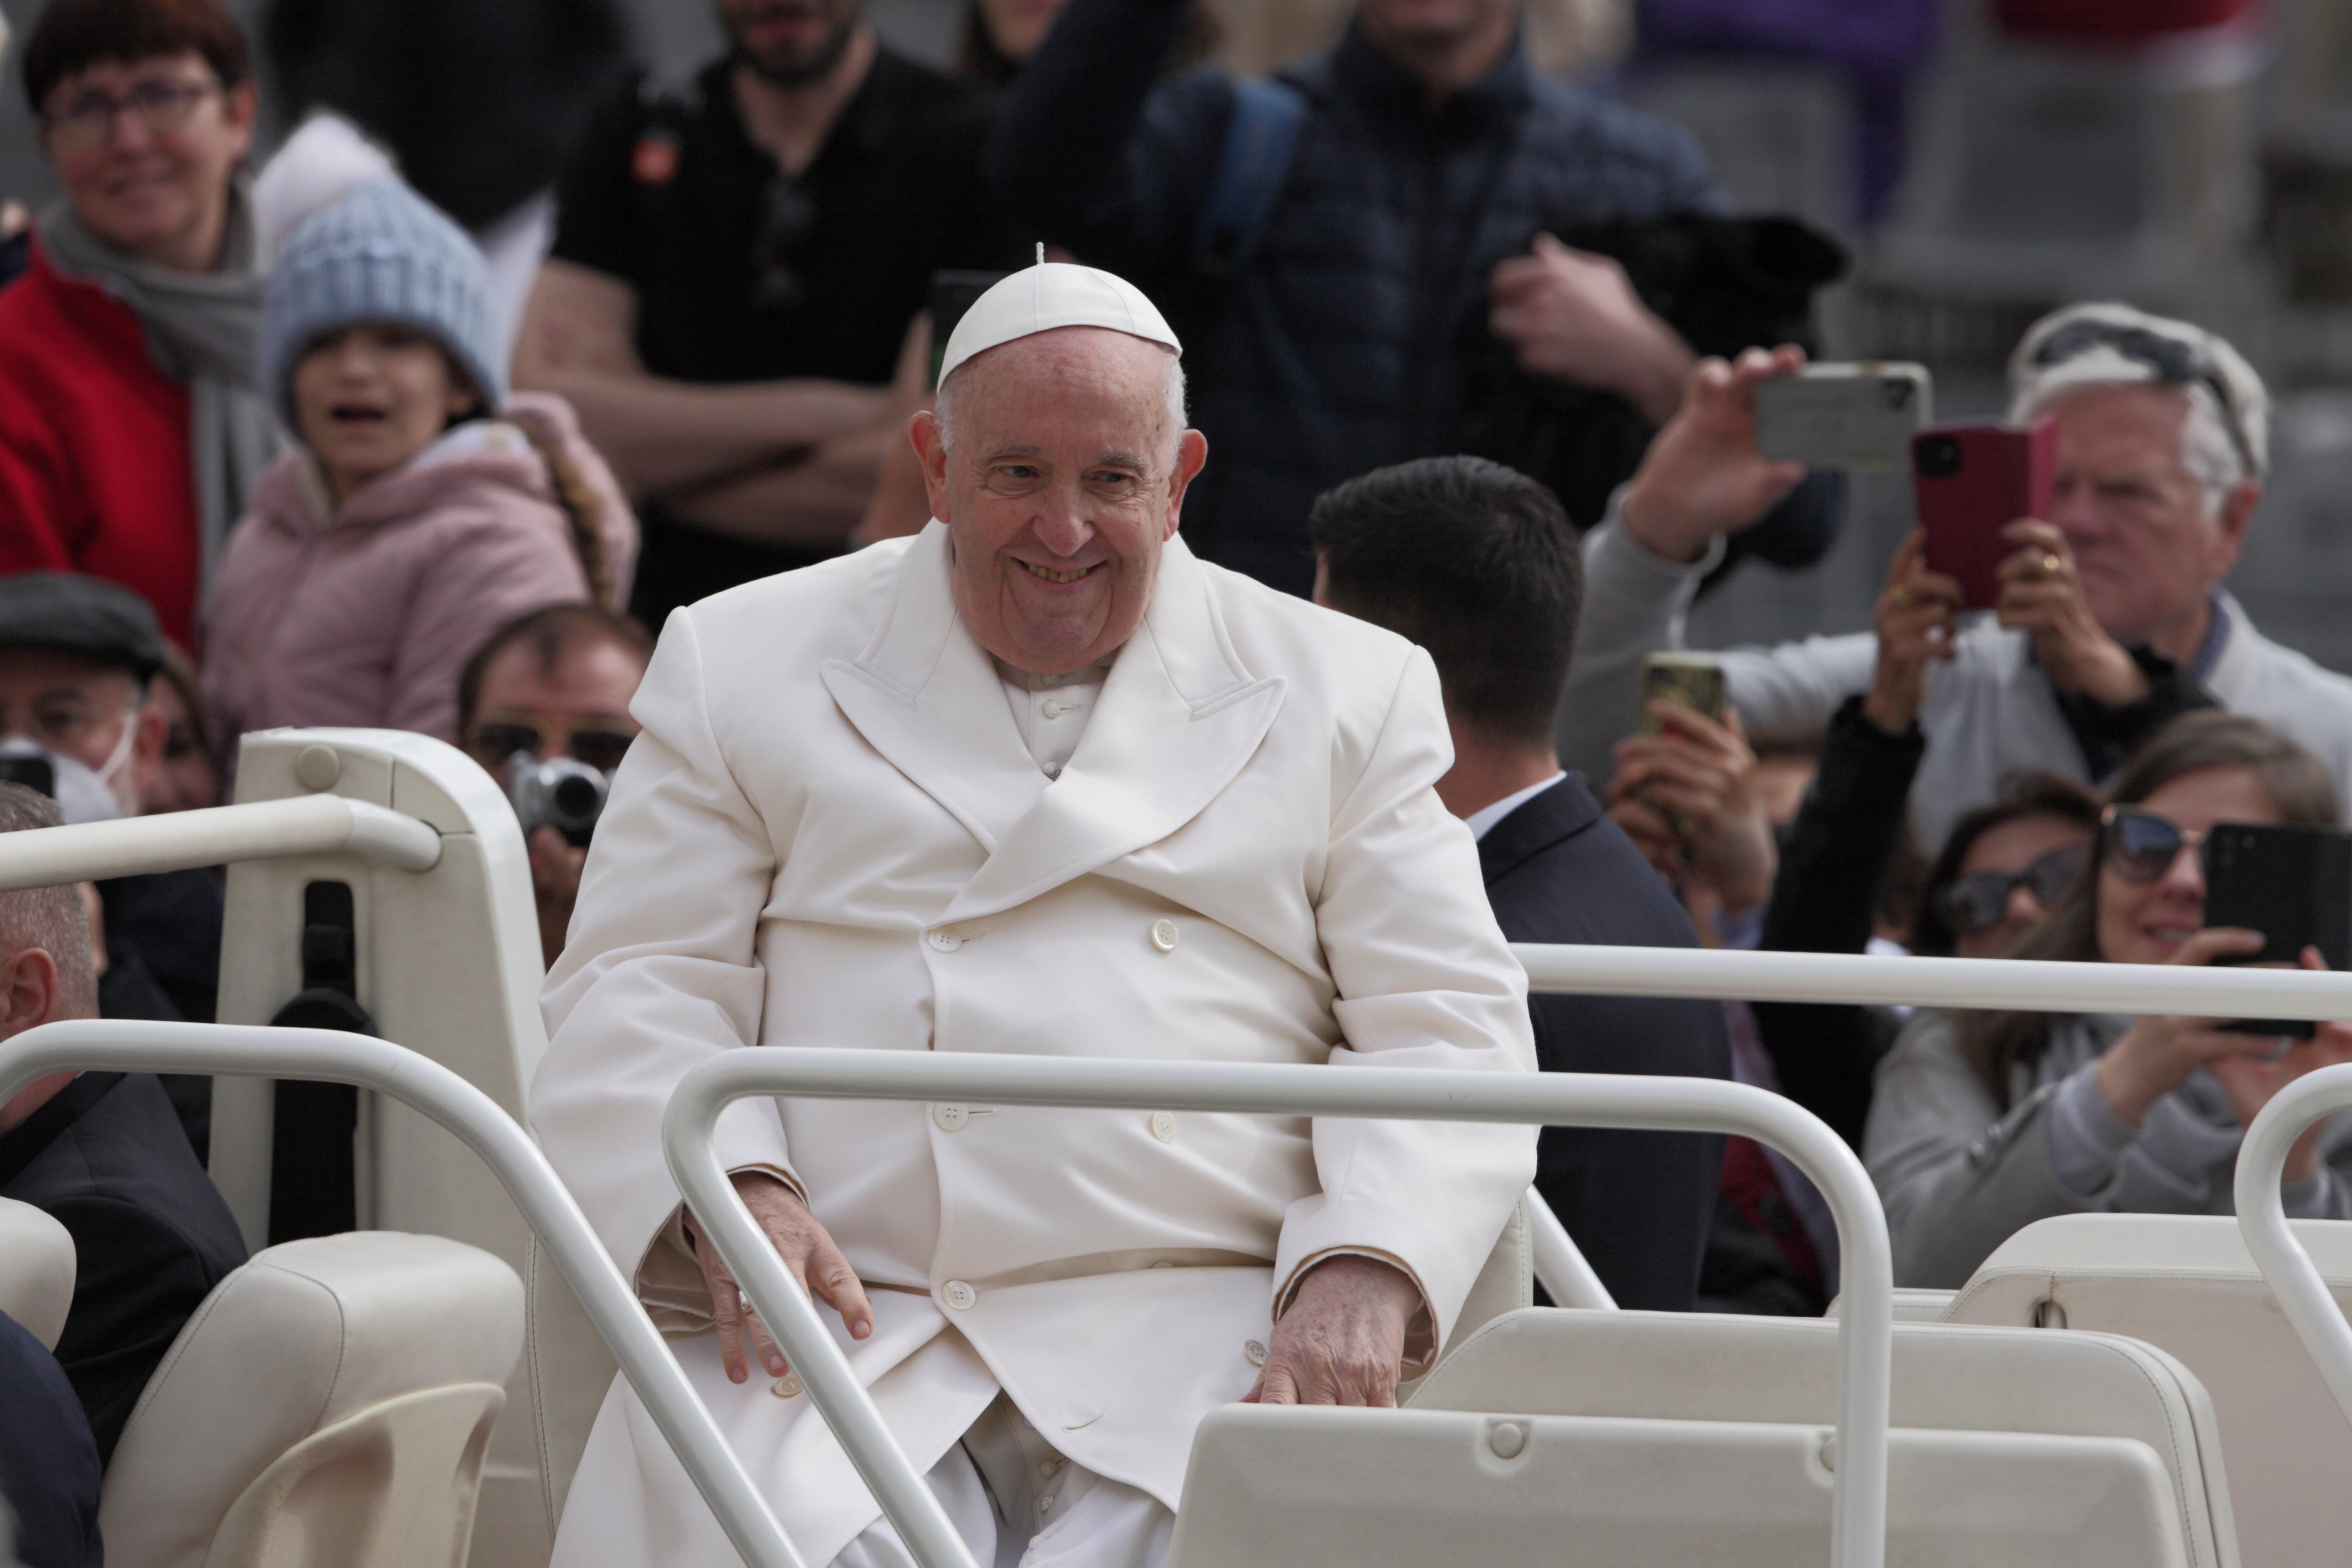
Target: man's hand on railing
[[808, 1251], [1342, 1340]]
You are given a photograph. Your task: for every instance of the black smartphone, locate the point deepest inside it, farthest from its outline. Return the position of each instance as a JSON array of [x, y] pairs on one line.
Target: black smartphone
[[2293, 884], [954, 290]]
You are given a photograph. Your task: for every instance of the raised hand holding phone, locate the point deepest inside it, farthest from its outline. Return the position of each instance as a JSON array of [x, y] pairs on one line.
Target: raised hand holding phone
[[2041, 594]]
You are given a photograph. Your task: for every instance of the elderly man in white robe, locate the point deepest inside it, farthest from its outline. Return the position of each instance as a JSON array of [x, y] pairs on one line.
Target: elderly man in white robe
[[1035, 781]]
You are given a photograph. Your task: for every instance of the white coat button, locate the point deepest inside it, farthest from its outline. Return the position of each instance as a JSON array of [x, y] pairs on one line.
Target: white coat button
[[959, 1295], [785, 1386], [1163, 1126], [945, 941], [1253, 1352], [1163, 935], [950, 1118]]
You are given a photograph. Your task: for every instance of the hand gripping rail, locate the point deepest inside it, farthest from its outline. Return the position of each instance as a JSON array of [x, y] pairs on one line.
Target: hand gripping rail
[[2262, 1219], [176, 841], [1865, 1334], [432, 1090]]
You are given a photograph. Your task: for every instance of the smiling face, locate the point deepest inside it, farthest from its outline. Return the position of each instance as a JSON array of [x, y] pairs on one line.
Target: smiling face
[[1063, 484], [2147, 551], [368, 398], [2146, 923], [157, 191]]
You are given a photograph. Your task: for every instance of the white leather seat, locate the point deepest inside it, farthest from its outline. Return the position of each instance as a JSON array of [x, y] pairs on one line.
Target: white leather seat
[[1665, 1437], [330, 1402], [36, 1270], [2185, 1283]]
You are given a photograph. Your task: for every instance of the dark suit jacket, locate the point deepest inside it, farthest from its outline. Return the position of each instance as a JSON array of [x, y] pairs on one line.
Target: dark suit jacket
[[1638, 1204], [151, 1235], [49, 1466]]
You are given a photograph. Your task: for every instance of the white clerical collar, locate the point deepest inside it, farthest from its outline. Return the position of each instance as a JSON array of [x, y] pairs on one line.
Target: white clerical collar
[[1483, 820]]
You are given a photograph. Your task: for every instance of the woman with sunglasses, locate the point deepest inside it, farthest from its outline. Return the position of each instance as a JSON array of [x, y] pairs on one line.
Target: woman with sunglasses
[[1985, 1122]]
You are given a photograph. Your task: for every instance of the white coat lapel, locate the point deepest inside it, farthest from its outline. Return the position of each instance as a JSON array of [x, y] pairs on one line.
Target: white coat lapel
[[1178, 718], [926, 696]]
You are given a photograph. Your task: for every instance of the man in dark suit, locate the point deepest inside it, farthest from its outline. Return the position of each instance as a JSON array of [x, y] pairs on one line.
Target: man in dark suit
[[104, 1154], [1479, 565]]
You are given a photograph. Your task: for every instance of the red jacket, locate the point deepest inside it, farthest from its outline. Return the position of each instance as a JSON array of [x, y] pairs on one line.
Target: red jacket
[[94, 447]]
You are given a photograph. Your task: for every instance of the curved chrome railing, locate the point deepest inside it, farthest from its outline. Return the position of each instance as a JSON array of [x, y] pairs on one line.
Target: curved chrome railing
[[2309, 1306]]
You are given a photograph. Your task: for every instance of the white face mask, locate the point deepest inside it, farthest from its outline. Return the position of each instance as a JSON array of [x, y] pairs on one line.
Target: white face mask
[[83, 794]]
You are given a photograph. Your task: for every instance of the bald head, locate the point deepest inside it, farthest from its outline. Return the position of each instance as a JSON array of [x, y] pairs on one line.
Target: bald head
[[1063, 480]]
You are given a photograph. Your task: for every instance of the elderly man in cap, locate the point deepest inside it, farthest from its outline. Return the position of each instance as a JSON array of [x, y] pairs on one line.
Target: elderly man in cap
[[2162, 443], [1035, 781]]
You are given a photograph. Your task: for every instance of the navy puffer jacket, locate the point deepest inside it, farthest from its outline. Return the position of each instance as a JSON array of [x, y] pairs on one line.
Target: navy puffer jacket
[[1347, 343]]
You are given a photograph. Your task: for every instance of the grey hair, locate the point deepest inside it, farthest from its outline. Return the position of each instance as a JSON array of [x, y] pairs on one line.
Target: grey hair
[[52, 919], [2208, 452], [942, 405]]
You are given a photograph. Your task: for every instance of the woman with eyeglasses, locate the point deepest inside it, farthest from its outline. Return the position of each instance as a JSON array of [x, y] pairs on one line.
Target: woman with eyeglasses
[[1985, 1122]]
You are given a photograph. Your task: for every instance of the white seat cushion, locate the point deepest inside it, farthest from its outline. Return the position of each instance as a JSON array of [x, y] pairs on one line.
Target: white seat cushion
[[305, 1335], [36, 1270], [1706, 1367], [2185, 1283]]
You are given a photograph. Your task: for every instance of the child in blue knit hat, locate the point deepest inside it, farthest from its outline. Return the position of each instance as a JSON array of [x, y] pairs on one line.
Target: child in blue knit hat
[[424, 506]]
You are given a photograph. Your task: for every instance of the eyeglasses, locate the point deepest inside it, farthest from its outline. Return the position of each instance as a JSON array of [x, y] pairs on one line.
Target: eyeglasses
[[85, 123], [2140, 845], [599, 743], [788, 218], [2177, 363], [1976, 903]]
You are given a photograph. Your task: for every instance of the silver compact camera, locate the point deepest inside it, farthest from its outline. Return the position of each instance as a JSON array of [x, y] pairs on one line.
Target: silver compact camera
[[561, 793]]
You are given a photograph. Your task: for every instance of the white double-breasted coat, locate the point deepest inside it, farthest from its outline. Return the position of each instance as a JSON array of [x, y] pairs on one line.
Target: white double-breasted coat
[[831, 833]]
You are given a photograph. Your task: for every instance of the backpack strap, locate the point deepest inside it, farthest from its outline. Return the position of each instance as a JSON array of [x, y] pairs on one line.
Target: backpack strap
[[1251, 168]]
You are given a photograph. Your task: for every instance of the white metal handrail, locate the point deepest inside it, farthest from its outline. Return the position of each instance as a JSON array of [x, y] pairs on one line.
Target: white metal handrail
[[1865, 1327], [432, 1090], [2262, 1220], [2182, 990], [215, 836]]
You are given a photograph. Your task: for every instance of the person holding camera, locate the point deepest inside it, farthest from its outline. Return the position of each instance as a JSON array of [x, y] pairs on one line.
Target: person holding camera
[[1985, 1122], [2162, 443], [544, 706]]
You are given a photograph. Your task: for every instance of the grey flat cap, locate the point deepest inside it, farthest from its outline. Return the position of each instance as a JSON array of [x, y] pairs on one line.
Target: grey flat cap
[[75, 614]]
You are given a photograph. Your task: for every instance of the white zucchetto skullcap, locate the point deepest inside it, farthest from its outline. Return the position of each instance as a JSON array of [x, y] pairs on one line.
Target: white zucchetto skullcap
[[1049, 295]]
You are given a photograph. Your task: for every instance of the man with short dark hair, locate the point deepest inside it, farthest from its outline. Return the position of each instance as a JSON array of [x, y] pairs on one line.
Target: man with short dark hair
[[1479, 565], [737, 261], [102, 1154], [555, 683]]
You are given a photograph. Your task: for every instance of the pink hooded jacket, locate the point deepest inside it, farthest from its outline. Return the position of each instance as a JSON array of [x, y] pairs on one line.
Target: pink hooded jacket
[[365, 614]]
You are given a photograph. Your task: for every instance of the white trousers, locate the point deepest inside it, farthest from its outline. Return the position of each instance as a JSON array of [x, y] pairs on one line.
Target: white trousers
[[1019, 1504]]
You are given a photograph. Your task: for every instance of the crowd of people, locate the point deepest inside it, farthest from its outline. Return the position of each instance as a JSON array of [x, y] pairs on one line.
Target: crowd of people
[[289, 472]]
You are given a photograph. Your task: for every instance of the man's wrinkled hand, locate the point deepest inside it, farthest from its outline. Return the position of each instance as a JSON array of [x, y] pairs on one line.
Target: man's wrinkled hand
[[2042, 595], [1343, 1342], [810, 1256]]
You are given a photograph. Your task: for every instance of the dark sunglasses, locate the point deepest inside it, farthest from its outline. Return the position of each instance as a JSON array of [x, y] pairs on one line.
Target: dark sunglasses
[[2140, 845], [1978, 902], [788, 218], [2176, 362], [600, 746]]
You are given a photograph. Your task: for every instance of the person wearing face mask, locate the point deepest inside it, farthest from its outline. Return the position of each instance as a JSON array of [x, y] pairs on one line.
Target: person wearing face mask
[[1985, 1122], [1036, 780], [77, 659], [422, 509]]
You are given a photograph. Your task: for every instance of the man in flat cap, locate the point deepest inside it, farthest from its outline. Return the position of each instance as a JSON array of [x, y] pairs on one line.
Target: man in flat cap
[[1038, 782]]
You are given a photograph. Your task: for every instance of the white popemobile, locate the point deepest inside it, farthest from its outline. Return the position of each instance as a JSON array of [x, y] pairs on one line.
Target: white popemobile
[[421, 1388]]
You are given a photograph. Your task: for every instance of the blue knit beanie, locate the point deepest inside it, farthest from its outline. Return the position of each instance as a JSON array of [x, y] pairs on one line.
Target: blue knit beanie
[[380, 253]]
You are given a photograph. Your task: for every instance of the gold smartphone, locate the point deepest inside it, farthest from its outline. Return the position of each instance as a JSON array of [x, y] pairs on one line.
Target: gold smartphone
[[1692, 680]]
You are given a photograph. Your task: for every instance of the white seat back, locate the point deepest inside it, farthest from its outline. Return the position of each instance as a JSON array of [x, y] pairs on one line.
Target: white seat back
[[1699, 1367], [36, 1270], [448, 965], [2185, 1283], [337, 1392], [1328, 1487]]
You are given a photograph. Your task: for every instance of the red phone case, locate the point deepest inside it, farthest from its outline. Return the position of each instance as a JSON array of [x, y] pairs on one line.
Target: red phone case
[[1972, 482]]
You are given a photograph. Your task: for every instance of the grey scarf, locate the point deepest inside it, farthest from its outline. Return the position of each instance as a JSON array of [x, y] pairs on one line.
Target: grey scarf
[[203, 329]]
